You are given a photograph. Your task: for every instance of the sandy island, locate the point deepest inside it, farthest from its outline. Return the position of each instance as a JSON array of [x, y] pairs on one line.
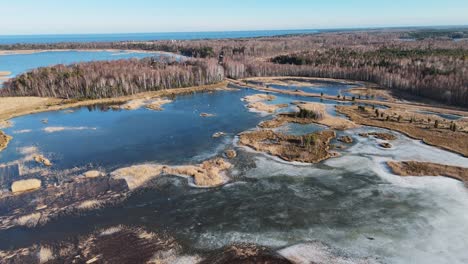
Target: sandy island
[[416, 168], [4, 140], [256, 102], [208, 174], [311, 148], [310, 113]]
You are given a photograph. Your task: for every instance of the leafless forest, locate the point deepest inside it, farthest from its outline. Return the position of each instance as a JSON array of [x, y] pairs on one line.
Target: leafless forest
[[431, 64], [113, 78]]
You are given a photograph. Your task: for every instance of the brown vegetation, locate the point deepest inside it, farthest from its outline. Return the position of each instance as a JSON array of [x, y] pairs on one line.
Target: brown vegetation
[[416, 168], [230, 153], [157, 104], [42, 160], [385, 145], [93, 174], [25, 185], [422, 129], [310, 148], [208, 174], [268, 108], [256, 102], [117, 244], [310, 113], [431, 67], [245, 253], [54, 200], [346, 139], [4, 140], [379, 135]]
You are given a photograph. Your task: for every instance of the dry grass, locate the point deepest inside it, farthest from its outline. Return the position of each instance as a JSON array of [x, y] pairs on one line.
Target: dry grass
[[45, 254], [4, 73], [456, 141], [259, 98], [416, 168], [134, 104], [256, 102], [413, 106], [136, 176], [42, 160], [89, 204], [25, 185], [311, 148], [4, 140], [111, 230], [323, 118], [319, 116], [207, 174], [16, 106], [157, 104], [318, 111], [30, 220], [379, 135], [5, 124], [262, 107], [366, 92], [93, 174]]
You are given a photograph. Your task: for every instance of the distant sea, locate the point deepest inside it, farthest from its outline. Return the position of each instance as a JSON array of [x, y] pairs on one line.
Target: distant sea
[[14, 39]]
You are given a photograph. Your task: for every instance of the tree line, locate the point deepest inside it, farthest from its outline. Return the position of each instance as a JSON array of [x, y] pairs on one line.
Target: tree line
[[432, 66], [439, 74], [105, 79]]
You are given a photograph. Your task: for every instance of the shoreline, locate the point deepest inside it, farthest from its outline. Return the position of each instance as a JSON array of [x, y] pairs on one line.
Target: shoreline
[[438, 108], [11, 107], [33, 51], [47, 104], [19, 106], [427, 136]]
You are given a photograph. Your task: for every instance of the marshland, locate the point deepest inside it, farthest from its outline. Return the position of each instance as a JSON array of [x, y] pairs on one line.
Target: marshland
[[332, 147]]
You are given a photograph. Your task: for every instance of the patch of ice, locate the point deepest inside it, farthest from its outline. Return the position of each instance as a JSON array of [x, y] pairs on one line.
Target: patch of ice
[[60, 129], [23, 131]]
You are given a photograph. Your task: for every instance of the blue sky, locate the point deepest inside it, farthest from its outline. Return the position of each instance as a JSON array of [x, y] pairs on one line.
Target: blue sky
[[120, 16]]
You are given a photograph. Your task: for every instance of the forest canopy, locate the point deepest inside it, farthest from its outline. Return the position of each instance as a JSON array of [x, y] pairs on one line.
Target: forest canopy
[[428, 63]]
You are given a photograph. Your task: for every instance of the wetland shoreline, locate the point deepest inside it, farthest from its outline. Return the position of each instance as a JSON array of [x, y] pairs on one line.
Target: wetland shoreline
[[85, 194]]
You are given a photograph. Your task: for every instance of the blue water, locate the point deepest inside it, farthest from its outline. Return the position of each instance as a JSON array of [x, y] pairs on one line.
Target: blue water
[[20, 63], [114, 138], [342, 202], [13, 39]]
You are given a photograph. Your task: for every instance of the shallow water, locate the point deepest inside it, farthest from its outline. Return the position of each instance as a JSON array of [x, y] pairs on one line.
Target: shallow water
[[108, 139], [351, 202], [20, 63], [326, 88], [446, 116]]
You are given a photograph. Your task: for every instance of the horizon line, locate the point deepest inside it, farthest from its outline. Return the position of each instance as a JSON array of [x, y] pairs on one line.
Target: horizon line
[[251, 30]]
